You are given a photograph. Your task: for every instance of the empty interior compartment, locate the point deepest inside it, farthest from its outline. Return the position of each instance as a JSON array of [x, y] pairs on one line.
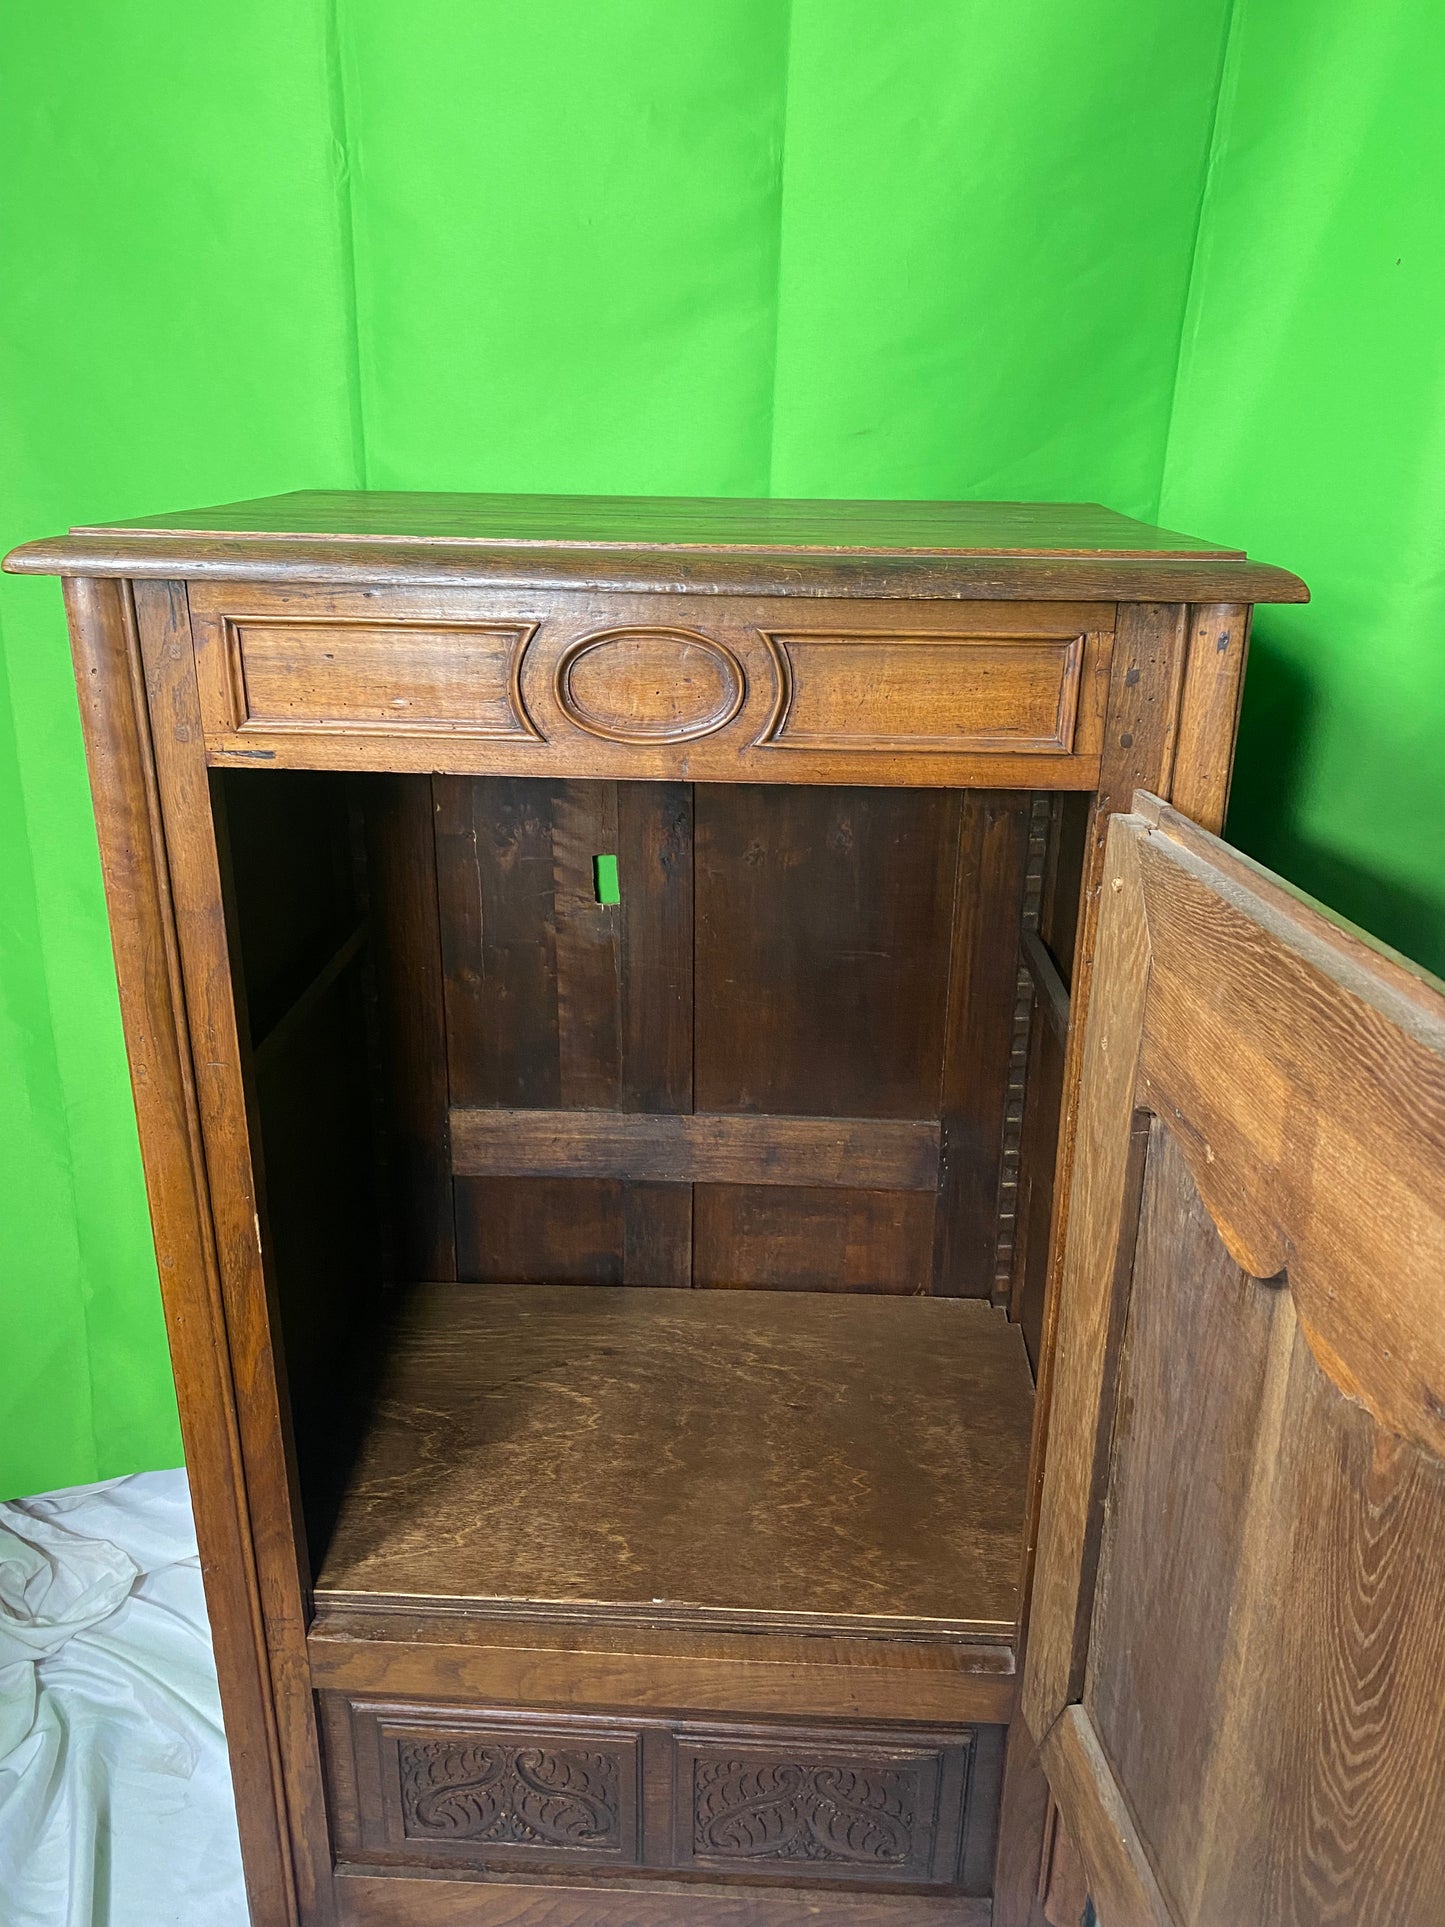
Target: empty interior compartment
[[656, 1183]]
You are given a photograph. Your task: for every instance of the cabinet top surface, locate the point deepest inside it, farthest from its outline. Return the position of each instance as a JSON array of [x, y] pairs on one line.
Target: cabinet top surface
[[687, 522], [923, 548]]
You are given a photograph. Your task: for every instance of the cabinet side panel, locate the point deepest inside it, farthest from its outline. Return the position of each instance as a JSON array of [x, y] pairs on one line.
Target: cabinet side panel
[[143, 931], [293, 876], [256, 1392], [406, 948]]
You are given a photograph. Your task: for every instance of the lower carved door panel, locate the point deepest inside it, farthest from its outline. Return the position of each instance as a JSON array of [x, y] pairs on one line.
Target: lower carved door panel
[[452, 1790]]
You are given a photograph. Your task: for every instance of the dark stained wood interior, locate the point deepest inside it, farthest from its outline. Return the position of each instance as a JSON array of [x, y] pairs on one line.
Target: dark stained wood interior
[[788, 1059], [798, 1014], [298, 889], [715, 1456]]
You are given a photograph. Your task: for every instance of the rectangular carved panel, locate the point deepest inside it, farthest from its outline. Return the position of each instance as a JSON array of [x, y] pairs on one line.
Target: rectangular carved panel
[[441, 1786], [497, 680], [399, 677], [455, 1789], [902, 691], [855, 1807]]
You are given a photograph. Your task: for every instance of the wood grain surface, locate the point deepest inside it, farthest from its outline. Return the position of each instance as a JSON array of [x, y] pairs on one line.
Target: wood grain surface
[[1000, 549], [698, 1147], [1236, 1645], [376, 1900], [463, 1658], [844, 754], [817, 970], [719, 1455], [761, 688], [620, 521]]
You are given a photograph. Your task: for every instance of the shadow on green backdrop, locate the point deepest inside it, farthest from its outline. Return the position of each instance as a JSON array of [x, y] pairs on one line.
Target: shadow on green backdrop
[[1144, 256]]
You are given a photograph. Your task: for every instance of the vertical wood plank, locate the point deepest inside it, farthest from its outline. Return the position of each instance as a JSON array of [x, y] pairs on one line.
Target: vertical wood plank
[[657, 1234], [990, 852], [655, 854], [822, 949], [539, 1231], [555, 1000], [804, 1238], [222, 1106], [1218, 648], [654, 840], [496, 887], [135, 870], [400, 817], [823, 921], [589, 949]]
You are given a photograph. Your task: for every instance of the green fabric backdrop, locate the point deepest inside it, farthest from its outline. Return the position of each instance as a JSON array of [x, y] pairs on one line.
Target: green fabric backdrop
[[1177, 259]]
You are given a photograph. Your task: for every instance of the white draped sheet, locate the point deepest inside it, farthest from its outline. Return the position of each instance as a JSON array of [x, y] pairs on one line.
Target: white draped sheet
[[115, 1792]]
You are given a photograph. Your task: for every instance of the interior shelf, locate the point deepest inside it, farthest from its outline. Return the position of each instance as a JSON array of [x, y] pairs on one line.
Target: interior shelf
[[723, 1459]]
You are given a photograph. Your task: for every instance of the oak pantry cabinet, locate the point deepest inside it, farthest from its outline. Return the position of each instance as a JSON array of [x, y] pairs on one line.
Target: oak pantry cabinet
[[610, 985]]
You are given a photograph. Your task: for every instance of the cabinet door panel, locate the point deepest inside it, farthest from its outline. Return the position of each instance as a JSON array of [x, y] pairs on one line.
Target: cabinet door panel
[[1236, 1641]]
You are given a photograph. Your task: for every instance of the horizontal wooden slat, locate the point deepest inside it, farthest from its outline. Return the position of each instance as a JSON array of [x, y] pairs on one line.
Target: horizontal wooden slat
[[855, 1153], [375, 1899], [395, 1654]]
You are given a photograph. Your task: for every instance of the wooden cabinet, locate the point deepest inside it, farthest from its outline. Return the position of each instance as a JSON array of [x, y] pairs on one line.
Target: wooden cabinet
[[692, 1119]]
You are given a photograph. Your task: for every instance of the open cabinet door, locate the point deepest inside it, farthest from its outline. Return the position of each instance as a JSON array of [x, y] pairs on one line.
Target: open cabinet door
[[1236, 1665]]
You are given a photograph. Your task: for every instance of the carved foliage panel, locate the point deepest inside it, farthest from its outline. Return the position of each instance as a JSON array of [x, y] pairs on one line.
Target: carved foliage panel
[[444, 1788], [554, 1795], [855, 1810], [435, 1786]]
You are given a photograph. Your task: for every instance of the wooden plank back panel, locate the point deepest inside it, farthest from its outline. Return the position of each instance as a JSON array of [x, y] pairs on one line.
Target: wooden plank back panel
[[496, 891], [822, 950], [780, 1003], [822, 969], [542, 1231], [556, 1001], [804, 1238], [1236, 1643]]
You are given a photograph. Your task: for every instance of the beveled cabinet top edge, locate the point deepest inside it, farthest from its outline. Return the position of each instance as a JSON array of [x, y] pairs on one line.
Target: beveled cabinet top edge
[[905, 577], [940, 550]]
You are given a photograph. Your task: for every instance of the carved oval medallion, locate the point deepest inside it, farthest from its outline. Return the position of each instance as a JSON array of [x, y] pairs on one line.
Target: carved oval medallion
[[650, 685]]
